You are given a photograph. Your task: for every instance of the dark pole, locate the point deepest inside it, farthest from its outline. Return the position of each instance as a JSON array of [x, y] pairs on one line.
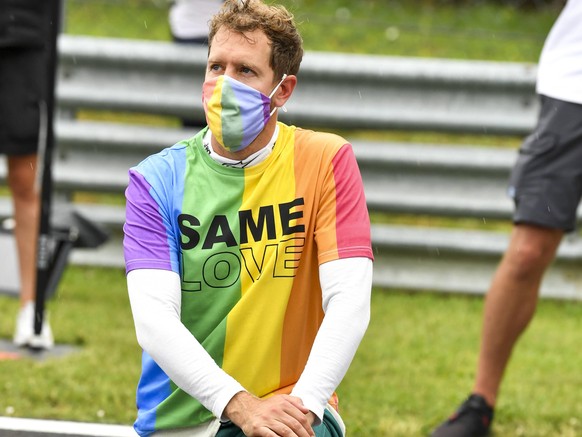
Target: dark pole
[[45, 169]]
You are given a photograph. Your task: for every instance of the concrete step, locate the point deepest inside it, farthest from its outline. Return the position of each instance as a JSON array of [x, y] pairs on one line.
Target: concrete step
[[17, 427]]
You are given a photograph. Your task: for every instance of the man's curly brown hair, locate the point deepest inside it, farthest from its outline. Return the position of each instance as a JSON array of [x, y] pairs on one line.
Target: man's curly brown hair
[[274, 21]]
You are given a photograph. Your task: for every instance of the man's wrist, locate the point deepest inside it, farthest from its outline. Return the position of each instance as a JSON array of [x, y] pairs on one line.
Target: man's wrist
[[312, 418], [236, 407]]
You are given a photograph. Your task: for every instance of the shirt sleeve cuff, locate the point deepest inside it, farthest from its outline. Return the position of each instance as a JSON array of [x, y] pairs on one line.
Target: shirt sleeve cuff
[[313, 405], [224, 397]]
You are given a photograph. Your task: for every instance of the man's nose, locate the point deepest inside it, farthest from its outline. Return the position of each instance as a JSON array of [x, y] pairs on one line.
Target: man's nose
[[230, 71]]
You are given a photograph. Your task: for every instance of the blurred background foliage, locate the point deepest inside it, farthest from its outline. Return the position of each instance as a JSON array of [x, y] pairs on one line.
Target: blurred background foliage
[[468, 29]]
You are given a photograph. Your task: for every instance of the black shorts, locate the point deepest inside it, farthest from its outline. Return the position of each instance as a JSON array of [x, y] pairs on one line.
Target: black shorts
[[546, 181], [23, 85]]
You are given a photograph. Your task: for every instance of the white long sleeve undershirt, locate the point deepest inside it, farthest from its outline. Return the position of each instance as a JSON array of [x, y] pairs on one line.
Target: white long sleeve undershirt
[[346, 287], [155, 297]]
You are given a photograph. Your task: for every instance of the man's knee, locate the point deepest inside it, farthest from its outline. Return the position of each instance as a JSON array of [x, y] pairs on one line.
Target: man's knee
[[532, 251], [21, 176]]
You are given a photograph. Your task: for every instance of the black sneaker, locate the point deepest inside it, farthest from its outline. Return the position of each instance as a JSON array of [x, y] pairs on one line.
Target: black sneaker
[[472, 419]]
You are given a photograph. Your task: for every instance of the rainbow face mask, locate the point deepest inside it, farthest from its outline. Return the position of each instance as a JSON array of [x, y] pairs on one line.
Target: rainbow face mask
[[236, 113]]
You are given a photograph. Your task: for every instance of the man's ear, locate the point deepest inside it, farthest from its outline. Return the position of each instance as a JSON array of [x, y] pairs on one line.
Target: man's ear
[[284, 91]]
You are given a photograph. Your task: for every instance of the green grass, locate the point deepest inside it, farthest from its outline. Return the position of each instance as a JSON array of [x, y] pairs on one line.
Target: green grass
[[97, 383], [414, 366], [417, 362], [137, 19], [475, 30]]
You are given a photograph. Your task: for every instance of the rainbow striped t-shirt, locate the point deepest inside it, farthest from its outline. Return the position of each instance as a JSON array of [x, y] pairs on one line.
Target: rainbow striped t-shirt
[[247, 244]]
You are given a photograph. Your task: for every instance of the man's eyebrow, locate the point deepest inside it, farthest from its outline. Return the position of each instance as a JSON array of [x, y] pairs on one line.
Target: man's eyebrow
[[239, 64], [248, 65]]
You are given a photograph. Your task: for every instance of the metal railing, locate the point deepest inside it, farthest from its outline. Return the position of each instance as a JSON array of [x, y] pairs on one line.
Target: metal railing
[[334, 92]]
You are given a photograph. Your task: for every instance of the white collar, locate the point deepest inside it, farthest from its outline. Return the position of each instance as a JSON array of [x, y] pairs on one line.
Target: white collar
[[251, 160]]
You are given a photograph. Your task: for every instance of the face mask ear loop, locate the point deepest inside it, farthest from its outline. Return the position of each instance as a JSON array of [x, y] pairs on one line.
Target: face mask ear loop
[[278, 85], [273, 92]]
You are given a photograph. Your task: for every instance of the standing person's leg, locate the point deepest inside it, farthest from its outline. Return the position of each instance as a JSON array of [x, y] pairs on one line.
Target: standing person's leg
[[511, 301], [25, 198], [510, 305], [26, 201], [546, 184], [23, 75]]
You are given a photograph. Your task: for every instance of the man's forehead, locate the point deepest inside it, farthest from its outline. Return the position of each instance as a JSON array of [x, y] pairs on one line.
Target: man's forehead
[[251, 49], [226, 35]]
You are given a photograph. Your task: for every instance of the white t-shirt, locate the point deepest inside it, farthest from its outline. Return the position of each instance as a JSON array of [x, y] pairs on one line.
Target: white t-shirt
[[189, 18], [560, 65]]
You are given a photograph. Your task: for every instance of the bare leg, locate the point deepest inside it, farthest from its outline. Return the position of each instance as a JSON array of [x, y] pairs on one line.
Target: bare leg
[[511, 301], [21, 178]]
